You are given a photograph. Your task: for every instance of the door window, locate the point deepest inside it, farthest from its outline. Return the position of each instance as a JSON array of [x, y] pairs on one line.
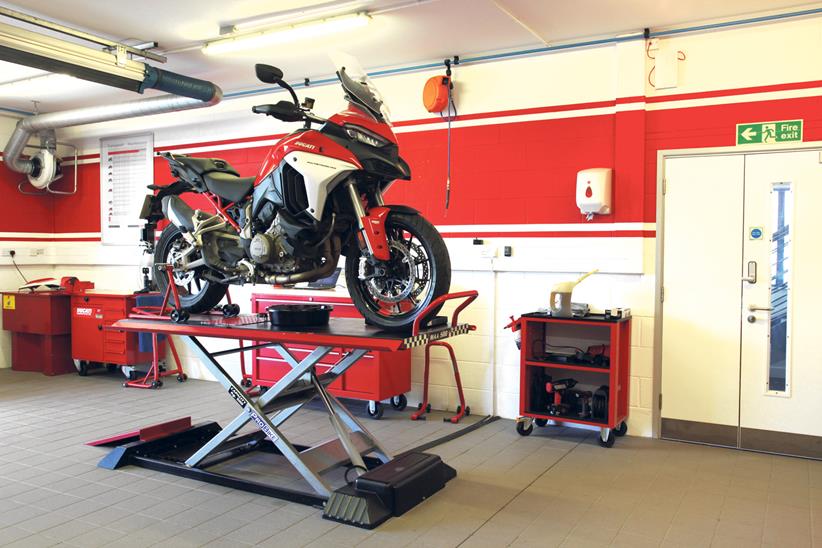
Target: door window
[[778, 381]]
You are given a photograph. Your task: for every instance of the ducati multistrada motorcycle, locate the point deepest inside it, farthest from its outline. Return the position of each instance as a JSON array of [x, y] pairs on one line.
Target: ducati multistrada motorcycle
[[318, 195]]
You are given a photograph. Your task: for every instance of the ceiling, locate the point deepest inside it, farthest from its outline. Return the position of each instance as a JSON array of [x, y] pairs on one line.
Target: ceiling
[[401, 32]]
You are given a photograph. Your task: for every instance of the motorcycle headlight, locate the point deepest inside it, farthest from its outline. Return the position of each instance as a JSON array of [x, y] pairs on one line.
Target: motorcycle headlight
[[366, 137]]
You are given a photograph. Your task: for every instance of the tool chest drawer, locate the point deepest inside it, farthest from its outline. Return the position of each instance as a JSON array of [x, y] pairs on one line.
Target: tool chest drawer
[[377, 376]]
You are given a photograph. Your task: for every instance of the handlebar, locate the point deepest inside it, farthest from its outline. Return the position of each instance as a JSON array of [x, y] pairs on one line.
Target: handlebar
[[469, 296]]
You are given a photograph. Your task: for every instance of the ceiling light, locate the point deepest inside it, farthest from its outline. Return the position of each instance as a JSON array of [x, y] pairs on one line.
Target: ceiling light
[[38, 86], [286, 34], [293, 16]]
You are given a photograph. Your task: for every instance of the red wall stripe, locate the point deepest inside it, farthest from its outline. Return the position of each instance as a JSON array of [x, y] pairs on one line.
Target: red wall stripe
[[518, 173]]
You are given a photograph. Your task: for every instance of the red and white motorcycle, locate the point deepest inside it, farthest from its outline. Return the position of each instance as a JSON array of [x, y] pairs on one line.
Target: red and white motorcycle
[[318, 195]]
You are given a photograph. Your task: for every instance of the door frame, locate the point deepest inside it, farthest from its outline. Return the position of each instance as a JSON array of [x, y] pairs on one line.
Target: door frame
[[659, 261]]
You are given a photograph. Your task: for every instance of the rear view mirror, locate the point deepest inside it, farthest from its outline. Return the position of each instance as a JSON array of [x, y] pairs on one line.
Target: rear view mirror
[[268, 74]]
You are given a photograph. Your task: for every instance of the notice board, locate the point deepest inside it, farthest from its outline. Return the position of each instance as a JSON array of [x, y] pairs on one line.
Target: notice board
[[126, 169]]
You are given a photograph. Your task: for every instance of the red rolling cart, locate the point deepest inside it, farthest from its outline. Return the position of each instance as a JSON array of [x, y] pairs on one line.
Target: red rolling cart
[[575, 370], [380, 376], [92, 342]]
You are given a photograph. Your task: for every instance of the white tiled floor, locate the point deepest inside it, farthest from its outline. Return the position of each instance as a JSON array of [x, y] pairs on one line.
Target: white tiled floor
[[556, 487]]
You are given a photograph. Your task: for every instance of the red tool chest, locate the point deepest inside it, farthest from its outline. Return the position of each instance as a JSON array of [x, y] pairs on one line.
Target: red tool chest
[[544, 341], [91, 313], [378, 376], [40, 331]]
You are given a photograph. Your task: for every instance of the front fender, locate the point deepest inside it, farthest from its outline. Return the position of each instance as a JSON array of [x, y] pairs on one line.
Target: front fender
[[374, 229]]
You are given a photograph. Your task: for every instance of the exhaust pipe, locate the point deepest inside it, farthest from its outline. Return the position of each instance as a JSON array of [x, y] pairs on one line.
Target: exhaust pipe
[[189, 93], [332, 250]]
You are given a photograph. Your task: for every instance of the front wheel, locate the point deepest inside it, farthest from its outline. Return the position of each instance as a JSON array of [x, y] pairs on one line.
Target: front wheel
[[392, 294]]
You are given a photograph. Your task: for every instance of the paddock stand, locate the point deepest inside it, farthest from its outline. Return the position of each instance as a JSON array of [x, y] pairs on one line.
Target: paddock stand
[[153, 377], [424, 406]]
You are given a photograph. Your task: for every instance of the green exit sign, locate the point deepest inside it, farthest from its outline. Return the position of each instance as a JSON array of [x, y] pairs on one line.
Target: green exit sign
[[758, 133]]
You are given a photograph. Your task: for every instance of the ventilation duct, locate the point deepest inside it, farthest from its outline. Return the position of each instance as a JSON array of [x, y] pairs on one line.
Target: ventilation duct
[[111, 68]]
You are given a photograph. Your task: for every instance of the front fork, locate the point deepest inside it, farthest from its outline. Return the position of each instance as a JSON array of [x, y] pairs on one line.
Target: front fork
[[372, 223]]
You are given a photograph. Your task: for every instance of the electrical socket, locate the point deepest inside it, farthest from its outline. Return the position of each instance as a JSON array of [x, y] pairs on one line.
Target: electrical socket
[[34, 252], [488, 252]]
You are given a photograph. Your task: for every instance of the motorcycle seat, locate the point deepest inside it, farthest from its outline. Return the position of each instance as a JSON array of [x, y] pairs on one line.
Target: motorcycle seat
[[219, 177], [228, 185]]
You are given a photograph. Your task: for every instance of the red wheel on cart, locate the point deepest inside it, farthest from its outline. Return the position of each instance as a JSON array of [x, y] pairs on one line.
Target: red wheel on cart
[[399, 402], [182, 378], [622, 429]]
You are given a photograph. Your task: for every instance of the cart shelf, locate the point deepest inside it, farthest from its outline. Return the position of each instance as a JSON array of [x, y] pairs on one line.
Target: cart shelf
[[570, 367]]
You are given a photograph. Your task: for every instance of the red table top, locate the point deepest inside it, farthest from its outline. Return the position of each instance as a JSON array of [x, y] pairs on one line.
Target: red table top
[[340, 332]]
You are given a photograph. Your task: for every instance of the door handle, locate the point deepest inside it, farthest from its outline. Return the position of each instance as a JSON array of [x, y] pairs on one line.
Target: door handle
[[751, 277], [754, 308]]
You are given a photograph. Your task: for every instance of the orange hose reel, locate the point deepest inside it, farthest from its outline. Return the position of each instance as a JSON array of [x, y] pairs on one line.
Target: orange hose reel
[[435, 93]]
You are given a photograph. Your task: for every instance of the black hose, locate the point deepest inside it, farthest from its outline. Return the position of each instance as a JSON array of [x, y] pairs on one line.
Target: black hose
[[177, 84]]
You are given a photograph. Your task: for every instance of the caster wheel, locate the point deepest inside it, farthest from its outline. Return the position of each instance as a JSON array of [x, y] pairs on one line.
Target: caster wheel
[[399, 402], [156, 384], [541, 422], [246, 383], [467, 410], [622, 429], [375, 410], [524, 430], [111, 368], [82, 367], [231, 310], [428, 408], [125, 385], [182, 378], [609, 440], [179, 316]]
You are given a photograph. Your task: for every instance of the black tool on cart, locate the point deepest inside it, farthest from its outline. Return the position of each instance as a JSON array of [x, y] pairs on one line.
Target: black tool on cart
[[559, 388]]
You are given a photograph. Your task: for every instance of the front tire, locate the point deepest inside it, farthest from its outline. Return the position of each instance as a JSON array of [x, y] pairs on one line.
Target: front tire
[[419, 259], [196, 294]]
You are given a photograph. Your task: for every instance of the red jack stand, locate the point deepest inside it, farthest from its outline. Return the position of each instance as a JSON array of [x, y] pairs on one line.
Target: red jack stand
[[425, 407], [153, 377]]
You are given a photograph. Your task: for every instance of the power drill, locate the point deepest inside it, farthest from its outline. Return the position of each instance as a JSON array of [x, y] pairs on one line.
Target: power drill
[[558, 388]]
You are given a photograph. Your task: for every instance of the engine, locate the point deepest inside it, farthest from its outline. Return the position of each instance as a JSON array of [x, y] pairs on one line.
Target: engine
[[272, 248]]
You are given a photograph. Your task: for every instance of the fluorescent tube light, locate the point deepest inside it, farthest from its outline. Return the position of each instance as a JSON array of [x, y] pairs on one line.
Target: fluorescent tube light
[[287, 34]]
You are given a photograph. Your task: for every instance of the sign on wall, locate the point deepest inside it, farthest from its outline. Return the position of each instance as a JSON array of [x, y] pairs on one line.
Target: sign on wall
[[126, 169], [758, 133]]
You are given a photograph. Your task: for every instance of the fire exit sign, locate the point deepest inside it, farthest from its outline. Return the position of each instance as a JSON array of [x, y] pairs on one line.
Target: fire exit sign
[[784, 131]]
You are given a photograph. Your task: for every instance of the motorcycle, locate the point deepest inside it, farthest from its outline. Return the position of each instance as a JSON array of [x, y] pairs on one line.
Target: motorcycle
[[318, 195]]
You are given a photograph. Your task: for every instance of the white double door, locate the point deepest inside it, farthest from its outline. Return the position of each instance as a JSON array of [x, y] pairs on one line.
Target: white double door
[[742, 302]]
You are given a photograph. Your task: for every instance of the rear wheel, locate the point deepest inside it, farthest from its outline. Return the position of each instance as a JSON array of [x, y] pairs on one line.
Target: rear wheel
[[196, 294], [391, 294]]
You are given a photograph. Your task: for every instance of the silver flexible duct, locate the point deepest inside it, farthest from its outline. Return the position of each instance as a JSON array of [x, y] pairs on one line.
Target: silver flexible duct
[[90, 115]]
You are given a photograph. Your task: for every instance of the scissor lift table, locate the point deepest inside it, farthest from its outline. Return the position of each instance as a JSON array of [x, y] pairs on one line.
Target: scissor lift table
[[380, 485]]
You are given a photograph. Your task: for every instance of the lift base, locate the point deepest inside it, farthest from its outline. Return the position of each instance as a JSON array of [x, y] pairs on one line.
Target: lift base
[[390, 489]]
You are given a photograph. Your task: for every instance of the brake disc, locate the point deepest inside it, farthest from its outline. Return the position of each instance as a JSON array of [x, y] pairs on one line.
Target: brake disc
[[175, 257], [392, 281]]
